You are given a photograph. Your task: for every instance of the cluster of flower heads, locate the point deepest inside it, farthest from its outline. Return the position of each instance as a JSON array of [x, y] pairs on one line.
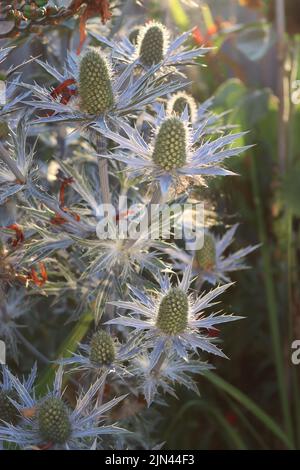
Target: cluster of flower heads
[[117, 122], [31, 422]]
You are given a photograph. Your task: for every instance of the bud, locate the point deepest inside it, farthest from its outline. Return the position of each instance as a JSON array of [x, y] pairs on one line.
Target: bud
[[206, 256], [152, 43], [102, 348], [54, 422], [95, 88], [178, 103], [8, 412], [170, 144], [172, 315]]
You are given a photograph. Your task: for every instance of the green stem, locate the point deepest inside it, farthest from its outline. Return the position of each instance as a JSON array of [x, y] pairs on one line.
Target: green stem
[[247, 403], [271, 303], [291, 251], [66, 349], [231, 434], [243, 419]]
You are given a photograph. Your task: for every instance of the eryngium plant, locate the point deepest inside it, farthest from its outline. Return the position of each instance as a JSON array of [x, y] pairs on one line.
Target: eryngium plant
[[116, 120]]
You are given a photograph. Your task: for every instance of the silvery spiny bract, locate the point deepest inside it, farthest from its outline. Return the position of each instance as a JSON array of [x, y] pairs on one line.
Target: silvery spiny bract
[[12, 392], [103, 354], [153, 46], [99, 89], [211, 262], [16, 166], [10, 106], [174, 152], [173, 370], [54, 423], [198, 114], [172, 318], [78, 131]]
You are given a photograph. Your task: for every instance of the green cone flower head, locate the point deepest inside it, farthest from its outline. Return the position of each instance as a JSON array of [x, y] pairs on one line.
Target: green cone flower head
[[206, 256], [102, 348], [179, 101], [53, 420], [152, 43], [95, 87], [4, 130], [8, 412], [170, 148], [173, 311]]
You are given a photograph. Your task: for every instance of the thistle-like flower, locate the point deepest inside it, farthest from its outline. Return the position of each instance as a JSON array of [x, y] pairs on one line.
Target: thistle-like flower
[[171, 318], [54, 424], [198, 115], [153, 47], [103, 354], [179, 101], [210, 262], [96, 90], [173, 371], [95, 87], [175, 152]]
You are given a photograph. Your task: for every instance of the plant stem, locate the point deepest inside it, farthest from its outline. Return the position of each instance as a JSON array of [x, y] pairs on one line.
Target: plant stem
[[283, 85], [271, 303], [103, 170], [250, 405], [158, 365], [66, 349], [291, 248], [31, 348]]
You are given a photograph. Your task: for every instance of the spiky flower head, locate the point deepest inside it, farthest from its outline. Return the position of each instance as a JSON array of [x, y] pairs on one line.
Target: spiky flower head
[[102, 348], [173, 310], [211, 261], [171, 144], [8, 412], [172, 319], [95, 87], [178, 154], [179, 101], [152, 43], [54, 422], [206, 256]]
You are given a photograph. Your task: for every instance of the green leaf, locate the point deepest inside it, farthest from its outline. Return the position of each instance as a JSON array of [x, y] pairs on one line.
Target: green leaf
[[179, 15], [244, 400], [230, 434], [66, 350]]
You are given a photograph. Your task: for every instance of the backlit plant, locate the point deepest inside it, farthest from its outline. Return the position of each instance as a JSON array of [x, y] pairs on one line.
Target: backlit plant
[[77, 135]]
